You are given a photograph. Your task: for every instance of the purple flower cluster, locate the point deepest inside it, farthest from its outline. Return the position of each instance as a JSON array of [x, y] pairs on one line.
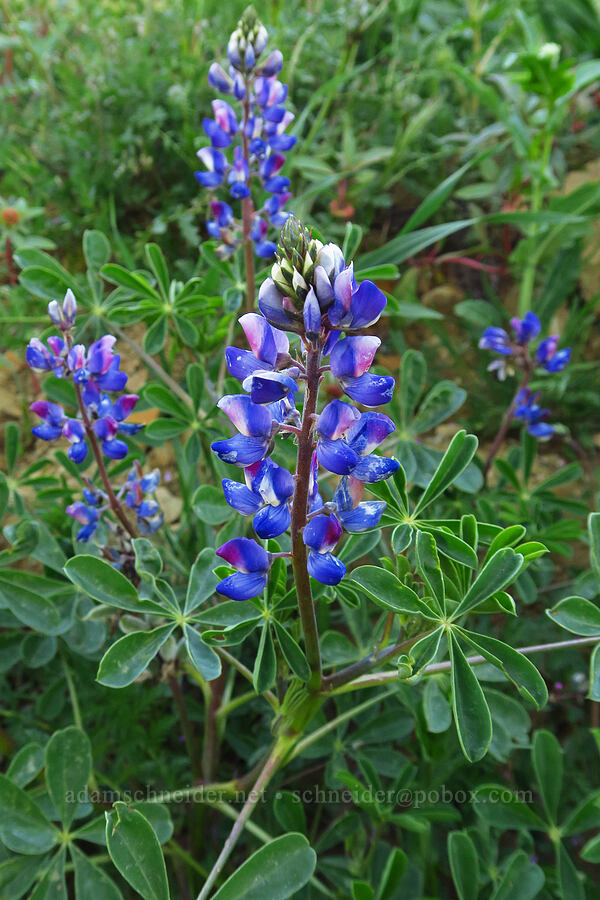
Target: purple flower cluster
[[258, 136], [313, 293], [95, 373], [547, 355], [138, 492]]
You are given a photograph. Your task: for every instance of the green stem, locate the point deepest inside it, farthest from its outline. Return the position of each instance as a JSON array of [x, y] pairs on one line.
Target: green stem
[[247, 208], [316, 735], [272, 764], [92, 783], [306, 604], [537, 199], [369, 662], [378, 678]]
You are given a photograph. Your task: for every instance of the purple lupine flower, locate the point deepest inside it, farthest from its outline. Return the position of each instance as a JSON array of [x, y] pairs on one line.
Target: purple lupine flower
[[265, 495], [532, 414], [257, 132], [548, 355], [252, 563], [321, 536], [356, 515], [264, 370], [347, 439], [496, 339], [299, 297], [87, 516], [148, 513], [44, 358], [53, 417], [255, 424], [355, 307], [527, 328]]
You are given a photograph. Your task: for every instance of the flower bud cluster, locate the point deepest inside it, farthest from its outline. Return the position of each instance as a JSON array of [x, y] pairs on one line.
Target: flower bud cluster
[[313, 293], [257, 133]]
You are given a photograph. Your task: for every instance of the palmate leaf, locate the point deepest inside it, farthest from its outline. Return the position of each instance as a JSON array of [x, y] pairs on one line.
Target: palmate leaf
[[515, 666], [275, 872], [464, 865], [471, 712], [127, 658], [136, 852], [68, 768], [497, 573], [456, 458], [577, 615]]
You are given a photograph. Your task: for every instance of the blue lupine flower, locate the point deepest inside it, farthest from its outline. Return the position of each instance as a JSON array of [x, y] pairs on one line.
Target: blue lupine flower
[[216, 164], [98, 364], [530, 412], [148, 513], [53, 417], [87, 516], [42, 359], [354, 514], [256, 368], [300, 296], [265, 495], [527, 328], [252, 563], [496, 339], [258, 132], [255, 424], [355, 307], [549, 357], [321, 536], [347, 439], [350, 359], [74, 432]]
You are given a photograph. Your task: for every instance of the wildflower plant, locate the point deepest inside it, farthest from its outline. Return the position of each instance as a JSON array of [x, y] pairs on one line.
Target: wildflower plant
[[333, 583]]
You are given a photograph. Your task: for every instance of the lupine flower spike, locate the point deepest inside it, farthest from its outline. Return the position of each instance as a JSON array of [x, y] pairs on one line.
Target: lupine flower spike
[[311, 292], [100, 425], [515, 352], [254, 134]]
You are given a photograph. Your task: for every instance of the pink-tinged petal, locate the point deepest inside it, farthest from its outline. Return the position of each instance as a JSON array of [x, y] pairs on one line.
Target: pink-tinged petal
[[343, 288], [371, 429], [352, 356], [123, 407], [56, 344], [322, 533], [244, 555], [250, 419], [337, 417], [259, 335], [106, 428], [100, 354], [49, 412], [76, 357]]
